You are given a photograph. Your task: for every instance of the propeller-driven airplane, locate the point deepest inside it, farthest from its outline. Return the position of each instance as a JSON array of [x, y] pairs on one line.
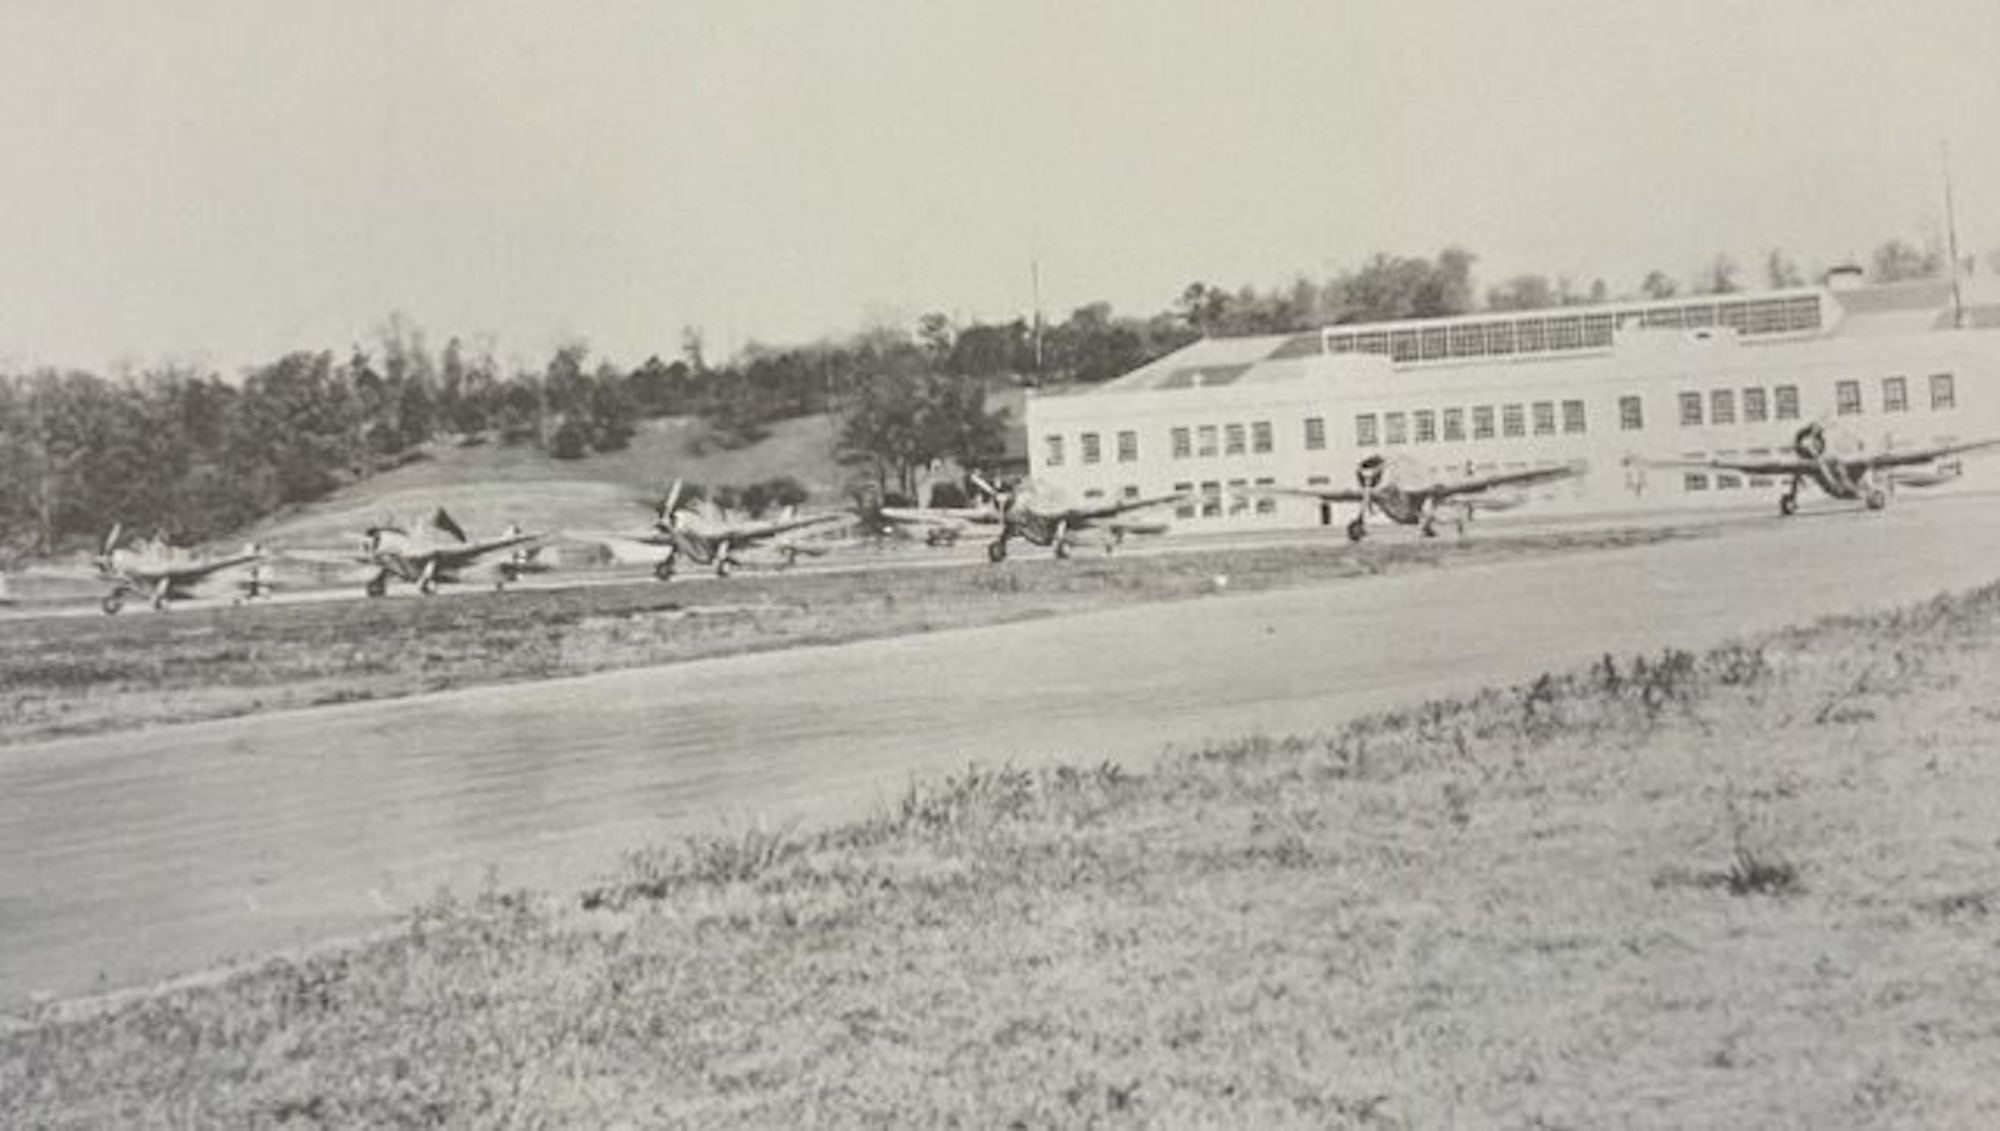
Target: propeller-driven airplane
[[1837, 464], [439, 552], [161, 574], [705, 536], [1408, 492], [1041, 515]]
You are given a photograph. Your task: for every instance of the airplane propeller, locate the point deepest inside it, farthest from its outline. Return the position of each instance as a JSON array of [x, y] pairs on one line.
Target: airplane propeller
[[670, 503], [1369, 477], [1810, 441], [1003, 500], [105, 560]]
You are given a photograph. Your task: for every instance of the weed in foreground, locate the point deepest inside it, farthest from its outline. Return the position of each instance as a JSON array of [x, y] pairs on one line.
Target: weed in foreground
[[714, 860], [1754, 874], [1752, 870]]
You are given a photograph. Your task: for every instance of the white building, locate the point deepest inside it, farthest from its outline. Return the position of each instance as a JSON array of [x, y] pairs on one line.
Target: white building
[[1689, 377]]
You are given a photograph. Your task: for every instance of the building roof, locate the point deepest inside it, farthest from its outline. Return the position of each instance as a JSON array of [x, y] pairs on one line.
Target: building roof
[[1798, 313]]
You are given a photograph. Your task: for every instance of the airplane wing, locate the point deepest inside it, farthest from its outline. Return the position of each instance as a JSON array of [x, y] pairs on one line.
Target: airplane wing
[[196, 571], [1769, 465], [627, 547], [653, 537], [473, 551], [325, 557], [1125, 506], [756, 531], [1528, 477], [1323, 494], [1925, 455], [942, 516]]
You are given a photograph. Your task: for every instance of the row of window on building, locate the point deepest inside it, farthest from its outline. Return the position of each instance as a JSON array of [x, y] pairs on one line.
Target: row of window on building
[[1187, 441], [1212, 500], [1722, 404], [1091, 445], [1540, 333], [1425, 426], [1750, 405]]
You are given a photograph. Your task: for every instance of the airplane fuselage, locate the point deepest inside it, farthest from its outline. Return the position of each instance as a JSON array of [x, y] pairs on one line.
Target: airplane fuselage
[[688, 545], [1406, 507], [163, 587], [427, 567], [1840, 479], [1041, 529]]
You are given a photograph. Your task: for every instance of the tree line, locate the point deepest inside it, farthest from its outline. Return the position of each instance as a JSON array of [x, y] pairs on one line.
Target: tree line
[[193, 455]]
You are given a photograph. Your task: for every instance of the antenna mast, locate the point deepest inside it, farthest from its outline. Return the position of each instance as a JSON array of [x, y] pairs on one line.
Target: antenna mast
[[1951, 240], [1035, 281]]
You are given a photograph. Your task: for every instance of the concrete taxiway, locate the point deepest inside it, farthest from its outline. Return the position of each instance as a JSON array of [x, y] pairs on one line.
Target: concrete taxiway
[[131, 857]]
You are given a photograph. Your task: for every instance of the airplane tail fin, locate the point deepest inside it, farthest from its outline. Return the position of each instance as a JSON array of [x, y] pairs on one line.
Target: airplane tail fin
[[443, 521]]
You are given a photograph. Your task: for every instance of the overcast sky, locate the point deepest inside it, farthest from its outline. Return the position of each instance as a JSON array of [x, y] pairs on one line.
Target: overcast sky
[[225, 181]]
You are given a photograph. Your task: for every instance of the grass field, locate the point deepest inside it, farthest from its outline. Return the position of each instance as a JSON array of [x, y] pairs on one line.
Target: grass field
[[82, 674], [1753, 887]]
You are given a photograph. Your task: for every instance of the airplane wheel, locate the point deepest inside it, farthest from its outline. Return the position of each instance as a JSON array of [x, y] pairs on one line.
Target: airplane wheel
[[1430, 529], [1876, 499], [665, 570], [428, 588], [378, 587], [1062, 551], [112, 605], [996, 552], [1788, 505], [1356, 530], [723, 566]]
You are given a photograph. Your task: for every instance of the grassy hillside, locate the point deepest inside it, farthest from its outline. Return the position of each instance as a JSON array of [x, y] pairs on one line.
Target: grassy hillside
[[489, 486]]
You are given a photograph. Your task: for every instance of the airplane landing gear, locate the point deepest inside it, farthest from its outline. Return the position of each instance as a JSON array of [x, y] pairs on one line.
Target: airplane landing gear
[[1788, 503], [723, 566], [1062, 550], [112, 604], [1357, 530], [1429, 527], [428, 586], [996, 551], [1876, 498], [378, 587], [665, 570]]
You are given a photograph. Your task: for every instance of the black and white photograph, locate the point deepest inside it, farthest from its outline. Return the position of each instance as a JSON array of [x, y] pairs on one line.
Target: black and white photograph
[[884, 563]]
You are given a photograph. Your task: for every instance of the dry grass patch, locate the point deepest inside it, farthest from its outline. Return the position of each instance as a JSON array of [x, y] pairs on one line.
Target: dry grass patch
[[1670, 890]]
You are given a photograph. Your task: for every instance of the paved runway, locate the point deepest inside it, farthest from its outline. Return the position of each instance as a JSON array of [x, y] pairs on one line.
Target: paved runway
[[131, 857]]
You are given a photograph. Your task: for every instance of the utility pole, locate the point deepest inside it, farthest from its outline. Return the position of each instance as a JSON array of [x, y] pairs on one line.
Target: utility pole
[[1951, 240]]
